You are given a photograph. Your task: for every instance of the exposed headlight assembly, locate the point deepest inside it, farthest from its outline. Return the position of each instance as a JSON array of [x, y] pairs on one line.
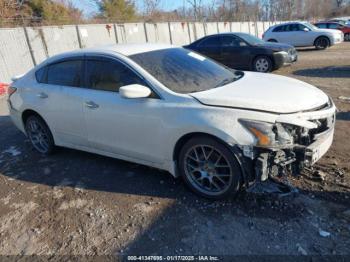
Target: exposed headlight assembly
[[268, 135]]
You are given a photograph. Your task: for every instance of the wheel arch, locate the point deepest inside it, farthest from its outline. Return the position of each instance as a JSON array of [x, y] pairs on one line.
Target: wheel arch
[[29, 112], [234, 149], [327, 37], [270, 56]]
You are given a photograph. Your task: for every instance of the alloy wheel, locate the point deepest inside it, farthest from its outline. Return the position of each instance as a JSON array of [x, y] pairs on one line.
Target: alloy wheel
[[347, 37], [208, 170], [322, 43], [38, 135]]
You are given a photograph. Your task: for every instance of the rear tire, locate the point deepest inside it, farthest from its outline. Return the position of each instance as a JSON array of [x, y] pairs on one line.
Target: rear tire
[[262, 64], [322, 43], [39, 135], [347, 37], [209, 168]]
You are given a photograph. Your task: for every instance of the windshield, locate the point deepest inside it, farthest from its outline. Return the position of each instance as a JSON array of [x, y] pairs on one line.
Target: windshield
[[310, 26], [252, 40], [183, 71]]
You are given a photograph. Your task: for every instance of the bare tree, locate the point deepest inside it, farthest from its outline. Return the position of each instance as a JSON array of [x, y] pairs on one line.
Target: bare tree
[[196, 6]]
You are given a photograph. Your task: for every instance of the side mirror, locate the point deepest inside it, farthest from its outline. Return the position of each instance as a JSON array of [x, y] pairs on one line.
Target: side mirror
[[306, 29], [134, 91]]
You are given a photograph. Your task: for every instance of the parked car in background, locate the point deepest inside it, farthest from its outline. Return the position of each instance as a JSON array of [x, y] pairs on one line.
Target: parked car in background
[[303, 34], [339, 20], [174, 109], [334, 25], [245, 52]]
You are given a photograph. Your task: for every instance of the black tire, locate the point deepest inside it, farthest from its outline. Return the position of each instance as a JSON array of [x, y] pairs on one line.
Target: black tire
[[225, 170], [347, 37], [42, 140], [262, 64], [322, 43], [272, 40]]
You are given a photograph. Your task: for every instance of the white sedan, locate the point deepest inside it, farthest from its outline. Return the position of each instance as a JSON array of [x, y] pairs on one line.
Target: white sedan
[[302, 34], [173, 109]]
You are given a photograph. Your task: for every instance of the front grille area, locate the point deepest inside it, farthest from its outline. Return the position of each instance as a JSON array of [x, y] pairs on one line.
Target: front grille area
[[304, 136]]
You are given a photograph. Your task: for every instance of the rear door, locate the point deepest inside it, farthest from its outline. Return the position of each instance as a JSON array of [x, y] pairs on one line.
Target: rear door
[[235, 53], [210, 47], [59, 100]]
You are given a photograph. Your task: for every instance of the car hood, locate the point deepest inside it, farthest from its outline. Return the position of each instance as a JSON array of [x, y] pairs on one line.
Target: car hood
[[265, 92], [276, 46], [329, 31]]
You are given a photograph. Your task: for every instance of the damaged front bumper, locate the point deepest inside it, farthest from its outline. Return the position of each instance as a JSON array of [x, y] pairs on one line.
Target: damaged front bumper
[[267, 164]]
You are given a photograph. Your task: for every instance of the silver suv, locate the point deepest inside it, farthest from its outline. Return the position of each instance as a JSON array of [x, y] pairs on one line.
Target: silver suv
[[302, 34]]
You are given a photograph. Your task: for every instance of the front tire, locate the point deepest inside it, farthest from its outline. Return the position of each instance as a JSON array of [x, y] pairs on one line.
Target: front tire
[[209, 168], [262, 64], [39, 135], [347, 37], [322, 43]]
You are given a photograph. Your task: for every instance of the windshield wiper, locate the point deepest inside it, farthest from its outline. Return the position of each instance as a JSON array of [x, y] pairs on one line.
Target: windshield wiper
[[238, 74], [226, 81]]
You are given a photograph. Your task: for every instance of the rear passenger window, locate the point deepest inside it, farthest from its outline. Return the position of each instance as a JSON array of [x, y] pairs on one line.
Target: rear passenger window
[[110, 75], [67, 73], [40, 75], [279, 29], [210, 42]]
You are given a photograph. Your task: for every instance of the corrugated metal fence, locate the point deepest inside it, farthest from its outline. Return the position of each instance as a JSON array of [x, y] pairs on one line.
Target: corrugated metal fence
[[23, 48]]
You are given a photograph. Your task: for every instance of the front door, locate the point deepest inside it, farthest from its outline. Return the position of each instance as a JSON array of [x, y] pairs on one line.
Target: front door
[[128, 127], [235, 52]]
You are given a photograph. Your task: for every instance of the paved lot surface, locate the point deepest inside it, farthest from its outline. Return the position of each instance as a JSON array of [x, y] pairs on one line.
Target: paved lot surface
[[84, 204]]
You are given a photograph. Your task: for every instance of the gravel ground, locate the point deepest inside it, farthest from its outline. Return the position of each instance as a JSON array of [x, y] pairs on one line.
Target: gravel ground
[[76, 203]]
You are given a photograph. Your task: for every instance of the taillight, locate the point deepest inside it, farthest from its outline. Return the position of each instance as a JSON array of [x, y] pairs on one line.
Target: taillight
[[11, 90], [3, 88]]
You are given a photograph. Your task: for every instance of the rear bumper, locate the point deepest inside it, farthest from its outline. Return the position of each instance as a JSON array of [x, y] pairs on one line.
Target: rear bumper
[[16, 117]]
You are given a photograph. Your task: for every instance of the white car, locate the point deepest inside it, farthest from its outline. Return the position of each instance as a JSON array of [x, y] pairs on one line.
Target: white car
[[173, 109], [302, 34]]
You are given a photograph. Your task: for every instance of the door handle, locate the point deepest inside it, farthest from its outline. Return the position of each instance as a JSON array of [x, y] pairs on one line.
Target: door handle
[[42, 95], [91, 104]]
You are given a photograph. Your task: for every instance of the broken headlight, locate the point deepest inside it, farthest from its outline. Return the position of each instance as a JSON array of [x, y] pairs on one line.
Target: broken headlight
[[268, 134]]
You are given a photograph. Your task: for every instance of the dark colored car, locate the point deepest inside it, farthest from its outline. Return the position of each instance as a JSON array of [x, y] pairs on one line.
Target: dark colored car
[[335, 25], [245, 52]]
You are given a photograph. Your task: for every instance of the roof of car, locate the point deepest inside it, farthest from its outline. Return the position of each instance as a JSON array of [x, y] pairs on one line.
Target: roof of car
[[124, 49], [130, 49], [291, 22]]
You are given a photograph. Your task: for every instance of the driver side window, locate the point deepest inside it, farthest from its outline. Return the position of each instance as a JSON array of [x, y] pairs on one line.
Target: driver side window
[[232, 41], [109, 75]]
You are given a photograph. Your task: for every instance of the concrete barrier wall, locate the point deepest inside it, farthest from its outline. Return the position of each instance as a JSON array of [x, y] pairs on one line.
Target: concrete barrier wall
[[15, 57], [224, 27], [212, 28], [60, 39], [179, 33], [96, 35], [23, 48]]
